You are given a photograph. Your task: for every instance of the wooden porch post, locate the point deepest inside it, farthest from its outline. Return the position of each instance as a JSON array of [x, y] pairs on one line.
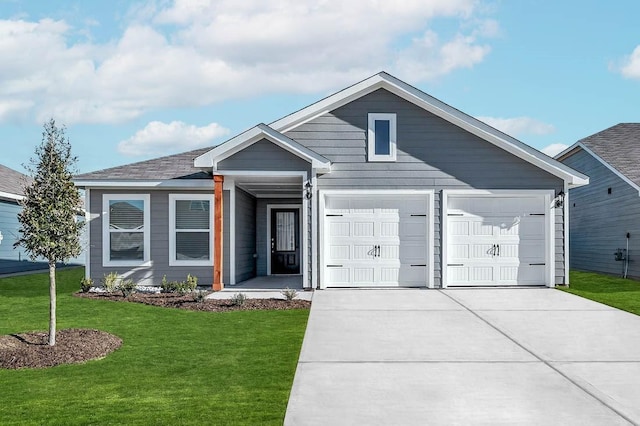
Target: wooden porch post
[[217, 232]]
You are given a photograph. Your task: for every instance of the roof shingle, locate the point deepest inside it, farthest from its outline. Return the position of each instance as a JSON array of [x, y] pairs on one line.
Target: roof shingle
[[12, 181], [178, 166], [620, 147]]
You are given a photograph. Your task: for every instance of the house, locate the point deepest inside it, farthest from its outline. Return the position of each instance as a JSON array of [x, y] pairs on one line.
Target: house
[[376, 185], [605, 215]]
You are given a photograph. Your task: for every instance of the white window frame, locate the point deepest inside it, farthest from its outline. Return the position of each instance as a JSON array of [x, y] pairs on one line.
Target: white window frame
[[172, 229], [371, 137], [106, 232]]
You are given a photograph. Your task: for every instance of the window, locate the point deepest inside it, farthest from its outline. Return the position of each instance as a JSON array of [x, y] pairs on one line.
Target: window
[[381, 145], [125, 236], [190, 239]]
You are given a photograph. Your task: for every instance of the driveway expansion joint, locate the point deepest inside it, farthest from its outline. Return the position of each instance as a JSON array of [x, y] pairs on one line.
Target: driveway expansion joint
[[547, 363]]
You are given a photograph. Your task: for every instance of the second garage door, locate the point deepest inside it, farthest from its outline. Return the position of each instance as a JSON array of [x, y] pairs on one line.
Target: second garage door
[[497, 240], [375, 241]]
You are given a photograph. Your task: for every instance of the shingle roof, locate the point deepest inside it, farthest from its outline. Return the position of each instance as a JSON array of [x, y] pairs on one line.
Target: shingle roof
[[178, 166], [620, 147], [12, 181]]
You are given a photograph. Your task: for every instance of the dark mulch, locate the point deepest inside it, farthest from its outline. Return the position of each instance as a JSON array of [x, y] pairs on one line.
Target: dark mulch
[[173, 300], [31, 350]]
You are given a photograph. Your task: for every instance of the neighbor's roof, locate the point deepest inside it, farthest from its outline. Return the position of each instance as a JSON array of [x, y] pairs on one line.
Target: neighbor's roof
[[12, 183], [618, 146], [178, 166]]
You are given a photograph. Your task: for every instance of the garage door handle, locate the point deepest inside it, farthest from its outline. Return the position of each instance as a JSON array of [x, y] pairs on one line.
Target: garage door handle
[[334, 266], [537, 264], [455, 264]]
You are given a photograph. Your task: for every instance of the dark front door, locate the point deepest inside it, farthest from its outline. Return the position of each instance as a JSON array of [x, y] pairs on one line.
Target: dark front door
[[285, 241]]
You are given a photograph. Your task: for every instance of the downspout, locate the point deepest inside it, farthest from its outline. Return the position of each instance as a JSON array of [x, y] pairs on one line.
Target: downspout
[[218, 210]]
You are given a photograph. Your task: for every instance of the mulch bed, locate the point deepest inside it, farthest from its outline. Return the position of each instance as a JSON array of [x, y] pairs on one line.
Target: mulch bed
[[173, 300], [31, 350]]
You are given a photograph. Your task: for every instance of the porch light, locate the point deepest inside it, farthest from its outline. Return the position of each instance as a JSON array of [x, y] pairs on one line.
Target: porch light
[[307, 190], [559, 201]]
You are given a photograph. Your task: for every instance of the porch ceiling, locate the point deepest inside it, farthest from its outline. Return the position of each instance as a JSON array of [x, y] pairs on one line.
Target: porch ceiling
[[268, 186]]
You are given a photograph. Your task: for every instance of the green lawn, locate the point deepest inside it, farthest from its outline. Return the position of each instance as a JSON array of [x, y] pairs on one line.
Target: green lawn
[[174, 367], [613, 291]]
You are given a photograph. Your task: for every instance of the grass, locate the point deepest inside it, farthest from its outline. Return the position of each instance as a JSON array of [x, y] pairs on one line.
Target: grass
[[174, 367], [613, 291]]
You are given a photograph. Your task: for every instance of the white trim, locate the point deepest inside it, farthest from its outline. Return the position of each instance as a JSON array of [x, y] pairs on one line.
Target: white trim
[[260, 173], [11, 196], [172, 229], [505, 193], [438, 108], [567, 209], [225, 150], [371, 136], [146, 184], [430, 219], [304, 244], [314, 229], [567, 152], [303, 251], [232, 234], [87, 224], [146, 204]]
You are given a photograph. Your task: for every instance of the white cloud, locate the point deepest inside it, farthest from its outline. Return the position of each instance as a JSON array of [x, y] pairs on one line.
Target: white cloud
[[631, 64], [519, 126], [195, 53], [554, 149], [165, 138]]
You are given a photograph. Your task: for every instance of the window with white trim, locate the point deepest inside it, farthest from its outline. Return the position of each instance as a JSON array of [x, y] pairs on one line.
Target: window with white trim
[[381, 137], [125, 229], [190, 222]]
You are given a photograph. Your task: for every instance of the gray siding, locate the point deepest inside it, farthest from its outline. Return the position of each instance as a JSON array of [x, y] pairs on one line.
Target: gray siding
[[264, 155], [245, 237], [159, 243], [431, 154], [599, 221]]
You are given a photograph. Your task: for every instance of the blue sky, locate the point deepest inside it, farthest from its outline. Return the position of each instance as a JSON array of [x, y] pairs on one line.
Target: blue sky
[[137, 80]]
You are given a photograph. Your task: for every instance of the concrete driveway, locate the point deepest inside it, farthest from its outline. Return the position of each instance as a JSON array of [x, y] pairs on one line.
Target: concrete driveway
[[469, 356]]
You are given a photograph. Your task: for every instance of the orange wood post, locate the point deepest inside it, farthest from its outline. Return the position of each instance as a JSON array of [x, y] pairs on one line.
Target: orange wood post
[[217, 232]]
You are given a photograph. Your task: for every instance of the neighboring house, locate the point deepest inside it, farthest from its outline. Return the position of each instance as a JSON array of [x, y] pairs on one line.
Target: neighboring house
[[606, 211], [379, 184], [12, 259]]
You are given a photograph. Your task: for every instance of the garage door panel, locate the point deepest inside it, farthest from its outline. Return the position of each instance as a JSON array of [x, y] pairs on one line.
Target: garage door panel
[[496, 240], [375, 241]]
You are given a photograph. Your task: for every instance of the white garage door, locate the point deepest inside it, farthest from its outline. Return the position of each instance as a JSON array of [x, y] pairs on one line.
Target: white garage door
[[377, 241], [496, 241]]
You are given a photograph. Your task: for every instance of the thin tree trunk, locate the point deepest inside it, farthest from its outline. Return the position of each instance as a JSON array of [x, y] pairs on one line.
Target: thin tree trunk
[[52, 303]]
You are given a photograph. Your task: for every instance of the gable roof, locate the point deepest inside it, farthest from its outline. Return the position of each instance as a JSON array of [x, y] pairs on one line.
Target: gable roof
[[385, 81], [225, 150], [178, 166], [617, 147], [12, 183]]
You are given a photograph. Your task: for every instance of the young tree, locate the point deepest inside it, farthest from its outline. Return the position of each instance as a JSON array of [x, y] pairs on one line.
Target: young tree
[[48, 224]]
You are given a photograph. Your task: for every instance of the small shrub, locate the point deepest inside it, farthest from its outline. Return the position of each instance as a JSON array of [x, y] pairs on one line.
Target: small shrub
[[86, 284], [127, 287], [199, 296], [289, 293], [166, 286], [192, 282], [110, 281], [238, 299]]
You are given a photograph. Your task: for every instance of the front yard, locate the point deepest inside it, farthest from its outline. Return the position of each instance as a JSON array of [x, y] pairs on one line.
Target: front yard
[[613, 291], [174, 367]]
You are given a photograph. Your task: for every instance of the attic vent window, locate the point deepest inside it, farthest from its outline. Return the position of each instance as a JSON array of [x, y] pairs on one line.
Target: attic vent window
[[608, 190], [381, 137]]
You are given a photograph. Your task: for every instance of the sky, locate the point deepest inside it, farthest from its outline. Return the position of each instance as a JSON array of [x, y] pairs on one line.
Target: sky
[[137, 80]]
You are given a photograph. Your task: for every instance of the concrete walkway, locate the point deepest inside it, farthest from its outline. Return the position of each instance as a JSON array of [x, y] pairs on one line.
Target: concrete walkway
[[472, 356]]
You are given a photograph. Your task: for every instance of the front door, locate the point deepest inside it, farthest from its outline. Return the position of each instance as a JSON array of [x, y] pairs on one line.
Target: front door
[[285, 241]]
